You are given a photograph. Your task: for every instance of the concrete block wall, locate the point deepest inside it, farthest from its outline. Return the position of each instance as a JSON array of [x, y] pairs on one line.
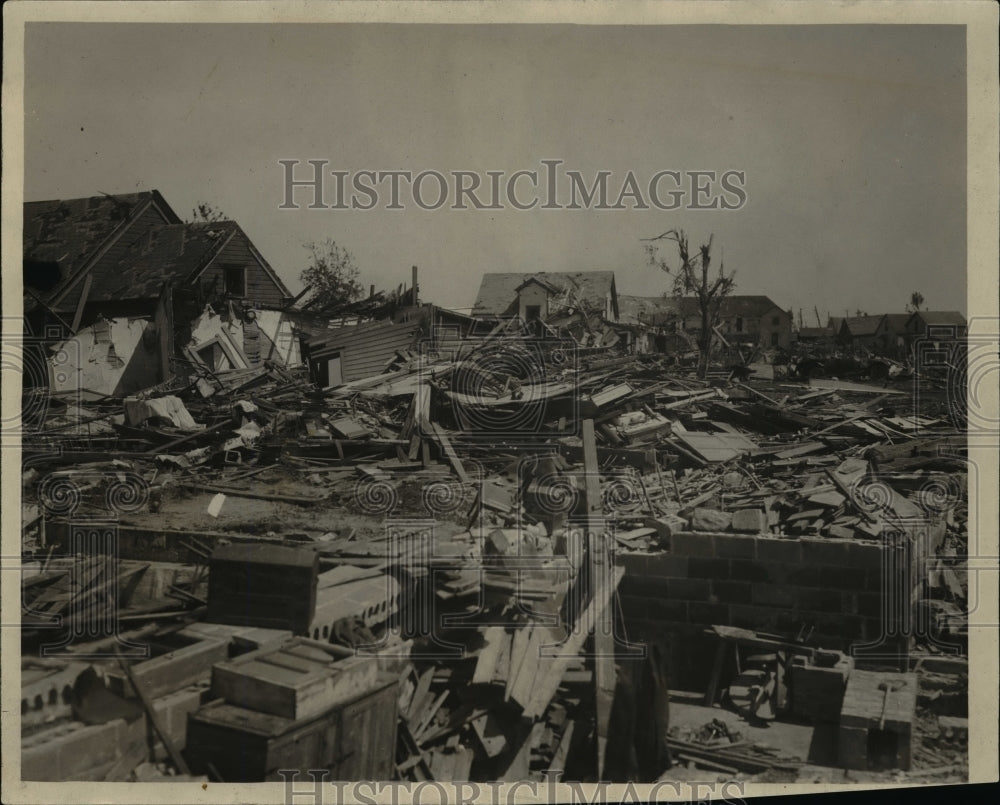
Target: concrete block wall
[[74, 751], [774, 584]]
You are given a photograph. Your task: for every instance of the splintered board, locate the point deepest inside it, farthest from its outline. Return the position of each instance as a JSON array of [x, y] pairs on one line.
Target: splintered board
[[296, 680]]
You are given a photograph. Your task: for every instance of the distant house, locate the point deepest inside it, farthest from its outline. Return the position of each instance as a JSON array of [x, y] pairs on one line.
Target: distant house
[[743, 320], [813, 335], [944, 325], [755, 320], [860, 331], [542, 294], [124, 279], [890, 338]]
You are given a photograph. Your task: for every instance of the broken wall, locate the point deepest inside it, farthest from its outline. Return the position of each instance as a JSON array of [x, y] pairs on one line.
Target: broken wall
[[836, 587], [110, 357]]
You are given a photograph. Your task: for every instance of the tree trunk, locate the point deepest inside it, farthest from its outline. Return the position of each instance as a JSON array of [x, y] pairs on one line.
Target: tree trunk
[[704, 342]]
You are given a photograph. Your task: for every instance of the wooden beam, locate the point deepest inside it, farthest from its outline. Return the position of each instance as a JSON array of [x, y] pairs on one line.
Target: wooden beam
[[154, 717], [604, 646], [83, 301]]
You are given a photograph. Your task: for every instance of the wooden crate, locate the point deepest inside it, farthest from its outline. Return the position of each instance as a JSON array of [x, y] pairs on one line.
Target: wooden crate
[[296, 680], [355, 740]]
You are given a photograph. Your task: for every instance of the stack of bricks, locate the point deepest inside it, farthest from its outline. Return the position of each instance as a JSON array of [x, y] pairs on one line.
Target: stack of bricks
[[861, 742], [816, 685]]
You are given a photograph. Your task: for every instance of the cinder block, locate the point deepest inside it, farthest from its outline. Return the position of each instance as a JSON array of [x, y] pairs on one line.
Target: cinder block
[[687, 589], [731, 592], [731, 546], [750, 521], [667, 565], [634, 563], [699, 568], [870, 605], [635, 607], [769, 595], [826, 552], [642, 587], [746, 570], [708, 614], [62, 754], [776, 549], [819, 598], [668, 610], [773, 619], [688, 543], [852, 748], [867, 555]]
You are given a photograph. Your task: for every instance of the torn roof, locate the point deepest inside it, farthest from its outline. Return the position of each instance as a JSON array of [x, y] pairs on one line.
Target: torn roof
[[498, 291], [68, 231], [67, 240], [62, 236]]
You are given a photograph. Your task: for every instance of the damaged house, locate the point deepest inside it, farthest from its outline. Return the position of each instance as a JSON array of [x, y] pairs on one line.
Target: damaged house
[[674, 322], [583, 304], [126, 284]]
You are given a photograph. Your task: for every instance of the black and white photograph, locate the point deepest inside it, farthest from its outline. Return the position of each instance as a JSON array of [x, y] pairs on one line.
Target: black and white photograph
[[574, 402]]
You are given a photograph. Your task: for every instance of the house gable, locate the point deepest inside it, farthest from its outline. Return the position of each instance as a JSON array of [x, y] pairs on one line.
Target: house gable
[[237, 270], [73, 237]]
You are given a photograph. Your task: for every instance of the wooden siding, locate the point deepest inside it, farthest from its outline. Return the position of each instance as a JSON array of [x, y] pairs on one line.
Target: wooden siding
[[365, 349], [260, 288]]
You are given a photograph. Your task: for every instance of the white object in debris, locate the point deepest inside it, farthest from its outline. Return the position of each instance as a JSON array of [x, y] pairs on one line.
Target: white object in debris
[[215, 506], [169, 407]]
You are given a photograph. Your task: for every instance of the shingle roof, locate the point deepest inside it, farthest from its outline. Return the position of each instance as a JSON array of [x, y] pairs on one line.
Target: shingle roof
[[498, 291], [62, 236], [166, 253], [862, 325], [934, 317], [896, 322], [69, 231]]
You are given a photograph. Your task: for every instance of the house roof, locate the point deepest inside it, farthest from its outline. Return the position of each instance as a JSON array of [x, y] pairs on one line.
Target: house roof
[[862, 325], [815, 332], [896, 322], [935, 317], [64, 241], [498, 291], [61, 237], [165, 253]]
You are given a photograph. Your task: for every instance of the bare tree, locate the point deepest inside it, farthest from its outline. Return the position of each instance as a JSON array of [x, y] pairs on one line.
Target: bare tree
[[916, 300], [332, 273], [693, 278], [206, 213]]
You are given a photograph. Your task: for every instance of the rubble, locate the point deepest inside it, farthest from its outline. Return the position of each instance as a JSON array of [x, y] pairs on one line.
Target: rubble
[[472, 482]]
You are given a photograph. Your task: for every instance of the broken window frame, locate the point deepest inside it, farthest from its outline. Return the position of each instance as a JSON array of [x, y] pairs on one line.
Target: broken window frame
[[228, 274]]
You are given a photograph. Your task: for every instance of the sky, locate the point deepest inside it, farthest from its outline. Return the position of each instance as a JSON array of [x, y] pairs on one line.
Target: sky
[[851, 139]]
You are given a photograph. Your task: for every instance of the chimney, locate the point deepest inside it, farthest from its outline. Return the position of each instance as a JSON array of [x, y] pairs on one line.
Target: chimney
[[416, 300], [371, 291]]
